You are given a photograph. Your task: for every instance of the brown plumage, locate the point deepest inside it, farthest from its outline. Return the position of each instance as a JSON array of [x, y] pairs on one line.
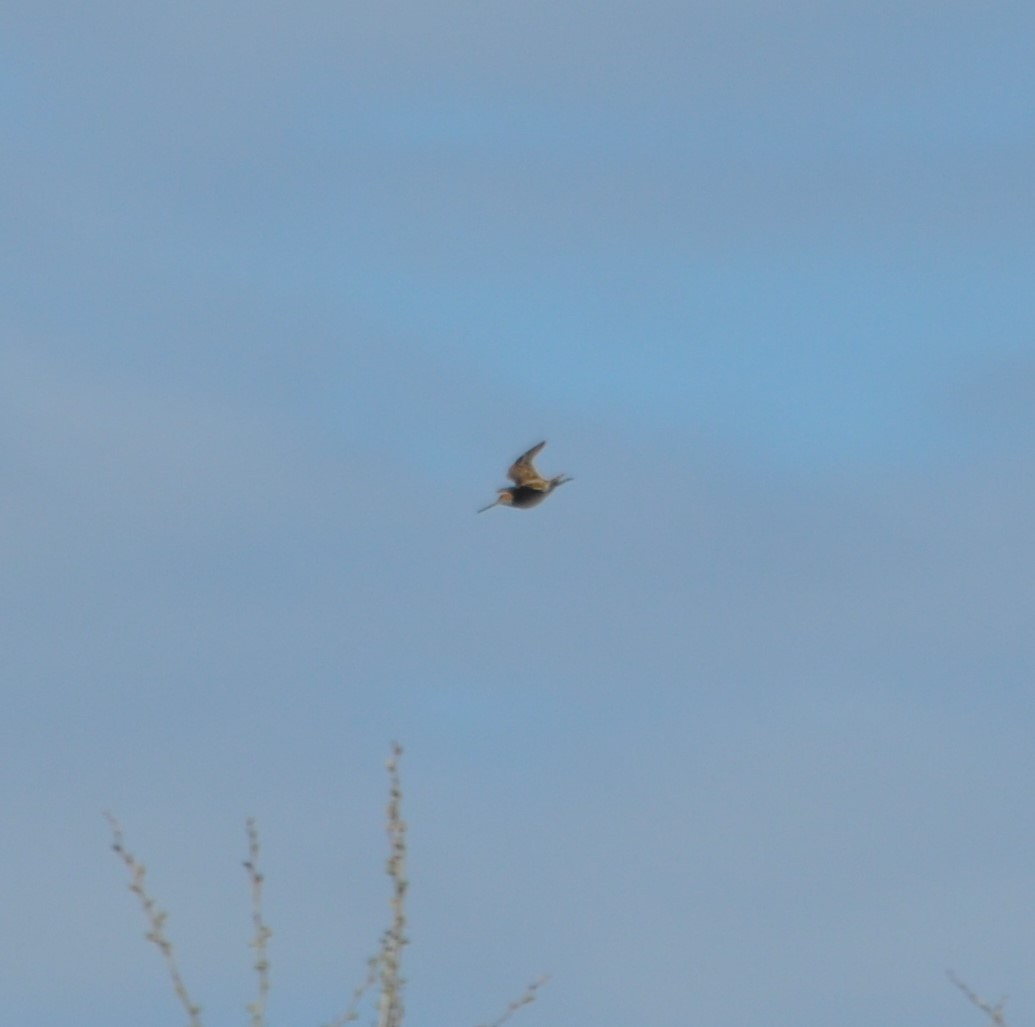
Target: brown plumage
[[530, 488]]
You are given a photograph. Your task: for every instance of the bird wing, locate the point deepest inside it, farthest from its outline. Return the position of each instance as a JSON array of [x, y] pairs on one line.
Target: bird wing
[[522, 471]]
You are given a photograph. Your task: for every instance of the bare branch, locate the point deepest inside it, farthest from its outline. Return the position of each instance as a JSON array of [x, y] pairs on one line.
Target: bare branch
[[262, 933], [352, 1009], [394, 940], [529, 996], [994, 1013], [156, 919], [384, 969]]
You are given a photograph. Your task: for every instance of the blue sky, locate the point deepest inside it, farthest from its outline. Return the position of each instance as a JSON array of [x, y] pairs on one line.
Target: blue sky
[[738, 727]]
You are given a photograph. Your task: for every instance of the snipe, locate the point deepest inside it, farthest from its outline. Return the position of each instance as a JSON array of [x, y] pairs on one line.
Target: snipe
[[530, 488]]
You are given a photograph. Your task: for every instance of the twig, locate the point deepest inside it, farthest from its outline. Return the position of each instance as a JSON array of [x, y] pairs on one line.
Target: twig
[[262, 933], [994, 1013], [156, 919], [529, 996], [352, 1009], [394, 940]]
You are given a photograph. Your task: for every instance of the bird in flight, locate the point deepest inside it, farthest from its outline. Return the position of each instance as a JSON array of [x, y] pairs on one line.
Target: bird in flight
[[530, 488]]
